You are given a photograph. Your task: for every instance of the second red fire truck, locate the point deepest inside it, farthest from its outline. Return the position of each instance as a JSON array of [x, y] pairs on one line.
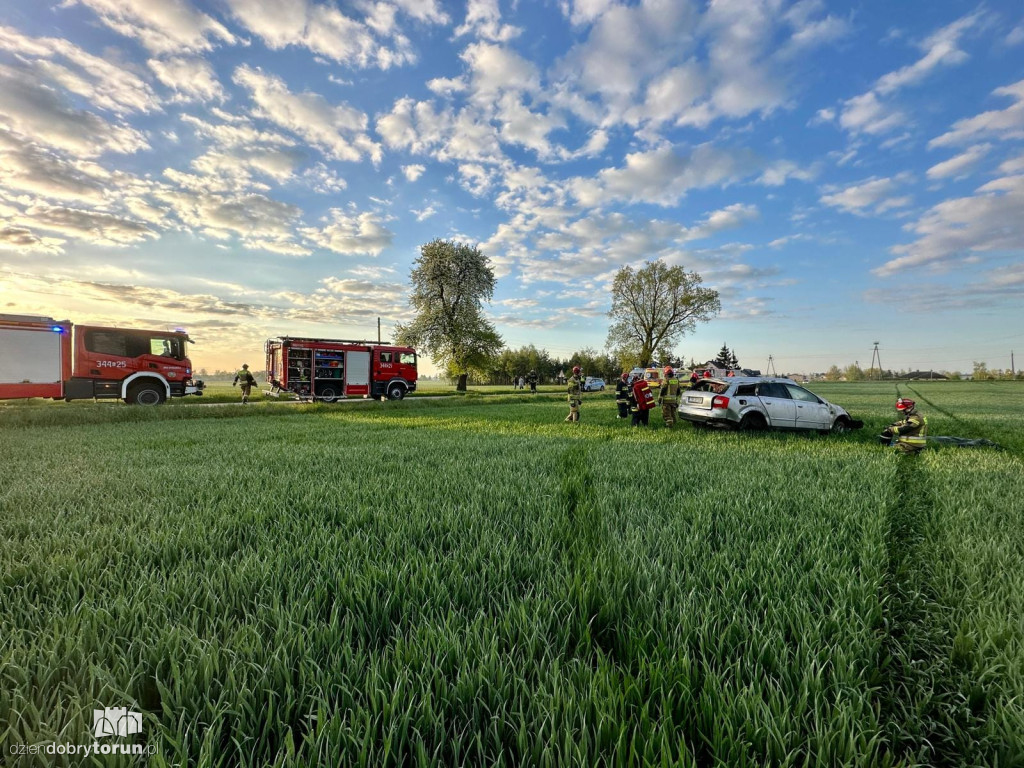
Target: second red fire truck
[[332, 369]]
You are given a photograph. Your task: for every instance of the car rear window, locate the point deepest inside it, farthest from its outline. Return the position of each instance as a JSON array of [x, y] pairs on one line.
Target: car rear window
[[746, 389]]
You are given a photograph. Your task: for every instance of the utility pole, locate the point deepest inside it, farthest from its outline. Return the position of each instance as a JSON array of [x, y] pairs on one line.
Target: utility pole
[[378, 330], [771, 366], [875, 357], [1013, 371]]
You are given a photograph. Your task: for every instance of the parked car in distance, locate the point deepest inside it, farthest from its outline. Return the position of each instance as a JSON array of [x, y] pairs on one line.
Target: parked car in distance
[[592, 384], [761, 402]]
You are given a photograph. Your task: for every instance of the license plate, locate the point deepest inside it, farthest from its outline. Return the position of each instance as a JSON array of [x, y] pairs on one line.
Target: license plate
[[695, 399]]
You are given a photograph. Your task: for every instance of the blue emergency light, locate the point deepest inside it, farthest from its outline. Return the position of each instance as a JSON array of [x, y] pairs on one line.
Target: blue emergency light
[[57, 329]]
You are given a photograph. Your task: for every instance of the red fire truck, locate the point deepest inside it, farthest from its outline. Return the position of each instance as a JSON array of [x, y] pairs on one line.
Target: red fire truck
[[43, 357], [330, 369]]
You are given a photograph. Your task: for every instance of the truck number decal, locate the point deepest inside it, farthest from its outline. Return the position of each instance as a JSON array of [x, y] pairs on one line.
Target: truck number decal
[[112, 364]]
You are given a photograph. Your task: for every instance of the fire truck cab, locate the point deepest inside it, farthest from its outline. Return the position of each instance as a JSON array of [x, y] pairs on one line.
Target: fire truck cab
[[332, 369], [43, 357]]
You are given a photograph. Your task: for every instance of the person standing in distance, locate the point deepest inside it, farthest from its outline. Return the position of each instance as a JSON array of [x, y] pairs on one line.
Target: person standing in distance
[[531, 379], [668, 397], [575, 387], [622, 395], [246, 380]]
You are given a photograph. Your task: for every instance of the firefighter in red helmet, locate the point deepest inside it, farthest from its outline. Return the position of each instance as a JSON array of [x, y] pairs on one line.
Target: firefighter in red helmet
[[908, 434], [668, 396], [575, 387]]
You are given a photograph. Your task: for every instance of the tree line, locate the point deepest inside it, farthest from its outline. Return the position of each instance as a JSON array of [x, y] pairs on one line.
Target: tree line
[[652, 308]]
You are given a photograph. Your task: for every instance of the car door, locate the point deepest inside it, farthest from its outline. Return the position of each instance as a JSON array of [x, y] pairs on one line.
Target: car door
[[811, 413], [778, 404]]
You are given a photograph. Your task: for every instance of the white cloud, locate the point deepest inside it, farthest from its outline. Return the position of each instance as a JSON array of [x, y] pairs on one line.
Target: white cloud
[[998, 124], [424, 213], [662, 176], [95, 227], [447, 86], [339, 130], [192, 78], [963, 228], [483, 19], [875, 194], [35, 111], [23, 240], [940, 49], [168, 26], [105, 84], [374, 41], [413, 172], [960, 165], [347, 234], [28, 168], [495, 69], [866, 114]]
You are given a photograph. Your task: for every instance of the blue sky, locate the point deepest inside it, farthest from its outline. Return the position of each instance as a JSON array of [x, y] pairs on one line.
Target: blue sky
[[841, 173]]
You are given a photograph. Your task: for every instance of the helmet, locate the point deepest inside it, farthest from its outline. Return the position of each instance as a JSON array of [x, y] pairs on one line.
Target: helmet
[[575, 370], [904, 404], [625, 375], [245, 365], [668, 370]]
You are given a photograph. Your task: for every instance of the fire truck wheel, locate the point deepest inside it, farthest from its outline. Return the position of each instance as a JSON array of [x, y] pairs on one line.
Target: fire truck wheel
[[146, 394], [328, 394], [396, 392]]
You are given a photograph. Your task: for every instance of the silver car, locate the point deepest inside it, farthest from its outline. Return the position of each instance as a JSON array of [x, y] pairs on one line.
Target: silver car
[[759, 402]]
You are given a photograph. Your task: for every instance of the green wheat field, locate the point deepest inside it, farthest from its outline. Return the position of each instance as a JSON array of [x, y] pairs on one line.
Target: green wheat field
[[473, 582]]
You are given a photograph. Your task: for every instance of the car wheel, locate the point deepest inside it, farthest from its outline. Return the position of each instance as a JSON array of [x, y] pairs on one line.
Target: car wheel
[[841, 425], [328, 394], [753, 422], [146, 394], [396, 392]]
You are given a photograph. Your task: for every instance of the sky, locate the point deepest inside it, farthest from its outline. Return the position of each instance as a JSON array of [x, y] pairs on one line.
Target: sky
[[841, 173]]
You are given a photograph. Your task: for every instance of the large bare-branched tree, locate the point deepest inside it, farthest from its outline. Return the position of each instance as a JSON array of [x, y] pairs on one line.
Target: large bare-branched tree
[[450, 282], [654, 307]]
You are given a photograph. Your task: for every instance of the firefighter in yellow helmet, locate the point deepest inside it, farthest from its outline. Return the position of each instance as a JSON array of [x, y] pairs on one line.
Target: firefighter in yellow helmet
[[909, 434], [668, 396]]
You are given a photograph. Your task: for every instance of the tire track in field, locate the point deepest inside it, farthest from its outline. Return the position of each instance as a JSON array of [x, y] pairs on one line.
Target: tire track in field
[[925, 715]]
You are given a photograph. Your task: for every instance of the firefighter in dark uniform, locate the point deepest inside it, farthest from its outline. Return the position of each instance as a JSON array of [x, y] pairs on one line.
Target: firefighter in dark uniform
[[668, 396], [244, 378], [622, 395], [575, 387], [531, 379], [909, 434], [640, 416]]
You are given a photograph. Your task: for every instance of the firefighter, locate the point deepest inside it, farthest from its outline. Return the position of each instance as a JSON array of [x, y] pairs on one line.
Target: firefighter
[[908, 434], [640, 415], [693, 379], [668, 397], [531, 379], [246, 380], [622, 395], [575, 387]]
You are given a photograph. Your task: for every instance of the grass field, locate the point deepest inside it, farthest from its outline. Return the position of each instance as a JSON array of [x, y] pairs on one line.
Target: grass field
[[471, 581]]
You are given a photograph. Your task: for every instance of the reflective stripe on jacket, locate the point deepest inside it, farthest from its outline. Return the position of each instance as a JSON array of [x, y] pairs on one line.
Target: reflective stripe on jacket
[[669, 392], [575, 388]]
